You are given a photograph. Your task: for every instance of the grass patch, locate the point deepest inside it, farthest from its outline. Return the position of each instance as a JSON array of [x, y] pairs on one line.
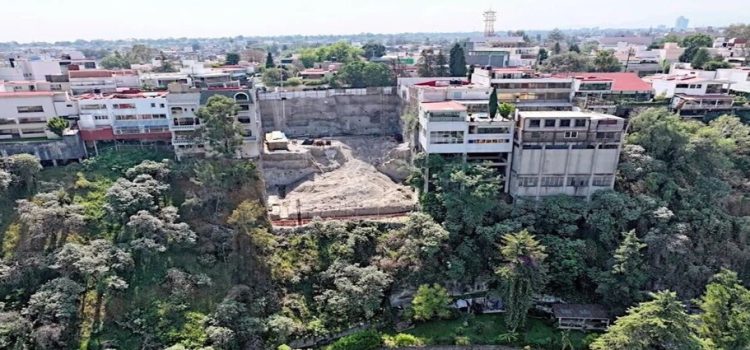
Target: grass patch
[[490, 329]]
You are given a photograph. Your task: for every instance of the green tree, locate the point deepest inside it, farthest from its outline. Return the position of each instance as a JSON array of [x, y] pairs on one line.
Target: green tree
[[441, 65], [269, 60], [714, 65], [57, 125], [457, 61], [493, 106], [702, 56], [567, 62], [506, 109], [556, 35], [556, 48], [308, 57], [725, 321], [622, 284], [523, 275], [272, 76], [232, 58], [697, 40], [543, 55], [741, 31], [431, 302], [574, 48], [373, 50], [165, 65], [365, 340], [605, 61], [661, 323], [426, 65], [220, 130], [24, 168], [115, 61], [360, 74]]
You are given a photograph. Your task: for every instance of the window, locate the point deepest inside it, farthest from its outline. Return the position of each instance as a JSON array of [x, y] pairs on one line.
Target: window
[[532, 146], [500, 130], [153, 105], [446, 137], [549, 123], [123, 106], [609, 147], [605, 135], [578, 181], [101, 117], [128, 130], [30, 109], [489, 141], [527, 181], [682, 86], [92, 107], [534, 123], [126, 117], [565, 123], [580, 123], [602, 181], [571, 135], [552, 181], [161, 105]]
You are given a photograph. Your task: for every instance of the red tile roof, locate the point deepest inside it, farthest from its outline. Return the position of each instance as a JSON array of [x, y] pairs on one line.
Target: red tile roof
[[443, 106], [26, 94], [620, 81]]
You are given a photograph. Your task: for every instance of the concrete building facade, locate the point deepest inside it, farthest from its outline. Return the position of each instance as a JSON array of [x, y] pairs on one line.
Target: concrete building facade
[[564, 152]]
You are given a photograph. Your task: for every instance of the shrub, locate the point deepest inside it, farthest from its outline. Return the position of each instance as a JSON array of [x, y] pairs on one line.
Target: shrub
[[293, 82], [284, 347], [462, 341], [57, 125], [365, 340], [402, 340]]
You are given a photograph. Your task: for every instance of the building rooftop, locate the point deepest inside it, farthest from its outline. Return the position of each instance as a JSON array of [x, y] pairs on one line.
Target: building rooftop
[[620, 81], [447, 106], [588, 311], [703, 97], [100, 73], [123, 95], [26, 94], [565, 114]]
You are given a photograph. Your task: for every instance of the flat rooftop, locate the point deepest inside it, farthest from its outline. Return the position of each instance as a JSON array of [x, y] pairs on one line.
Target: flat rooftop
[[447, 106], [566, 114]]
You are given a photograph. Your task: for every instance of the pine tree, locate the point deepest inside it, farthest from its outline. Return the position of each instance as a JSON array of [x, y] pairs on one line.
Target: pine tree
[[493, 104], [621, 285], [441, 65], [725, 321], [556, 49], [269, 60], [524, 274], [457, 61], [427, 64]]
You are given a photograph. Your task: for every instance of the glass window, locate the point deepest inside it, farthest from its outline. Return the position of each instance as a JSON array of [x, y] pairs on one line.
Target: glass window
[[527, 181], [580, 123], [602, 181], [565, 123], [549, 123], [446, 137], [30, 109], [578, 181], [552, 181], [534, 123], [571, 134]]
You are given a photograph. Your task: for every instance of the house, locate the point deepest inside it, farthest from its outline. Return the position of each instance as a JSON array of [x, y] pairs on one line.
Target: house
[[581, 317], [162, 80], [315, 73], [99, 81], [24, 114], [564, 152]]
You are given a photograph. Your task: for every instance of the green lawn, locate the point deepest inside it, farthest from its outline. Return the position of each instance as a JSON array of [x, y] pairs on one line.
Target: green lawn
[[490, 330]]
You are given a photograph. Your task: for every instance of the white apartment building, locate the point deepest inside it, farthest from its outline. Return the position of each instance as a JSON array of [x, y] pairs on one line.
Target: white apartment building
[[162, 80], [564, 152], [24, 115], [526, 89], [448, 128], [102, 81], [128, 116], [670, 85], [184, 101]]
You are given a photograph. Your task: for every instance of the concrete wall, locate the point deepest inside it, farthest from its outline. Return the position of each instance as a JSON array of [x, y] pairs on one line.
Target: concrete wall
[[322, 113], [67, 148]]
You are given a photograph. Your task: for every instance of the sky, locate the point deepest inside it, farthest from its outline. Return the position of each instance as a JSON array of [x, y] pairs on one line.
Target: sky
[[58, 20]]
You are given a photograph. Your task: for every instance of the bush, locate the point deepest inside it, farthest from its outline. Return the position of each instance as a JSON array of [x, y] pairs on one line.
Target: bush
[[365, 340], [284, 347], [315, 82], [293, 82], [462, 341], [402, 340], [57, 125]]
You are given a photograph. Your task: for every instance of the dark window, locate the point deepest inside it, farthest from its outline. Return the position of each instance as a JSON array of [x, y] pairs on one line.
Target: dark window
[[580, 122], [565, 123], [549, 123], [534, 123]]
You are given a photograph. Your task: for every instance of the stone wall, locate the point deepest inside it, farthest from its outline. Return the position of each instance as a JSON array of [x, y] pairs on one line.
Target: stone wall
[[374, 111], [69, 147]]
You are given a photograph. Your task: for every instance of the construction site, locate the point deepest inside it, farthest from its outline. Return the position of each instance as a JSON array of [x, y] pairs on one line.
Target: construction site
[[334, 178]]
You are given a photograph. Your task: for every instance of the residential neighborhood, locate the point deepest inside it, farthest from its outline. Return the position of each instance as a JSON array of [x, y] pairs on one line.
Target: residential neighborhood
[[389, 175]]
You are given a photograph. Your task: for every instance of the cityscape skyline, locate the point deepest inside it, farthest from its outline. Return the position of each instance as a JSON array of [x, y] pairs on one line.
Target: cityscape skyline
[[56, 20]]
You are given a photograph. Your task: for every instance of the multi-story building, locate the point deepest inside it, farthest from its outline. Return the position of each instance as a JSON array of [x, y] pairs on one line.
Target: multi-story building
[[124, 117], [162, 80], [501, 52], [184, 102], [564, 152], [526, 89], [604, 92], [102, 81], [450, 129], [24, 114], [247, 117]]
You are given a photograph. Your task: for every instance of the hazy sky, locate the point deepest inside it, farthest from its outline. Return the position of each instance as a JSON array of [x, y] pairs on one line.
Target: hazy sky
[[52, 20]]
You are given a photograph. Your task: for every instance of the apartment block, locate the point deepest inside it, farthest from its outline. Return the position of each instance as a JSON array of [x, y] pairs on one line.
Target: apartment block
[[124, 117], [564, 152], [102, 81], [603, 92], [452, 130], [24, 114]]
